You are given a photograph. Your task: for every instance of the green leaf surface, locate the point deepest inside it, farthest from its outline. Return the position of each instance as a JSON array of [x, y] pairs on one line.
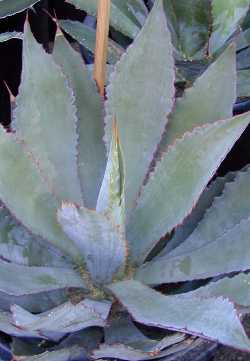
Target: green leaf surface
[[243, 83], [92, 154], [140, 96], [31, 202], [199, 105], [89, 338], [11, 7], [121, 330], [36, 302], [45, 119], [194, 158], [10, 35], [100, 240], [21, 280], [111, 199], [86, 36], [235, 288], [182, 232], [226, 254], [226, 211], [63, 319], [243, 59], [7, 326], [190, 24], [127, 353], [17, 245], [122, 16], [227, 16], [212, 318], [65, 354], [243, 40]]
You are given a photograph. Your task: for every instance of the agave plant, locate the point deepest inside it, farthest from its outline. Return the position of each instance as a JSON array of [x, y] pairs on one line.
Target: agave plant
[[98, 232]]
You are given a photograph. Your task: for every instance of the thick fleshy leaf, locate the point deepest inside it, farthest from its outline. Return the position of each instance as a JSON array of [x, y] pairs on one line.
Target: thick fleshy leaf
[[17, 245], [111, 199], [243, 83], [212, 318], [89, 338], [140, 96], [182, 232], [227, 16], [243, 40], [31, 202], [123, 14], [123, 352], [21, 280], [91, 157], [226, 254], [7, 326], [221, 78], [190, 23], [9, 36], [11, 7], [122, 330], [225, 212], [194, 158], [235, 288], [36, 302], [100, 240], [45, 119], [86, 37], [63, 319], [75, 353], [243, 61]]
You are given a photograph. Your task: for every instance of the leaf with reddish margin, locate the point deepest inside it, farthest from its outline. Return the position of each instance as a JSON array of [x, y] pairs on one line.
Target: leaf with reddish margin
[[45, 120], [228, 253], [212, 318], [178, 180], [139, 97], [91, 148], [99, 239], [21, 280]]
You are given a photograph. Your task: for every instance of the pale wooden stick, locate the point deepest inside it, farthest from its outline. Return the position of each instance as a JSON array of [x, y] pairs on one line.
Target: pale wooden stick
[[102, 32]]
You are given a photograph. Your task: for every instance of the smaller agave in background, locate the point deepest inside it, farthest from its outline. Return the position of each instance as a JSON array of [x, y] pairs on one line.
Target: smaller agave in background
[[93, 270]]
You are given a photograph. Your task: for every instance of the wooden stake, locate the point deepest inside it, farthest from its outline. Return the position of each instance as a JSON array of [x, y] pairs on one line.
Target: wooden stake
[[102, 32]]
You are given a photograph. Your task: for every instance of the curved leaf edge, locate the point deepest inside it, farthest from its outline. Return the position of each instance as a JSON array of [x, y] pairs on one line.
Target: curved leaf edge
[[185, 331], [170, 148]]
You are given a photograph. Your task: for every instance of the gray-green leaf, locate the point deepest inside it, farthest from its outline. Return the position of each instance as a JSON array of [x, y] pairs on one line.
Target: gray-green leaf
[[21, 280], [226, 254], [92, 155], [86, 37], [225, 212], [123, 14], [10, 35], [100, 240], [227, 16], [140, 96], [236, 289], [111, 199], [199, 105], [194, 158], [11, 7], [212, 318], [30, 202], [65, 354], [45, 119], [65, 318], [182, 232], [190, 26]]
